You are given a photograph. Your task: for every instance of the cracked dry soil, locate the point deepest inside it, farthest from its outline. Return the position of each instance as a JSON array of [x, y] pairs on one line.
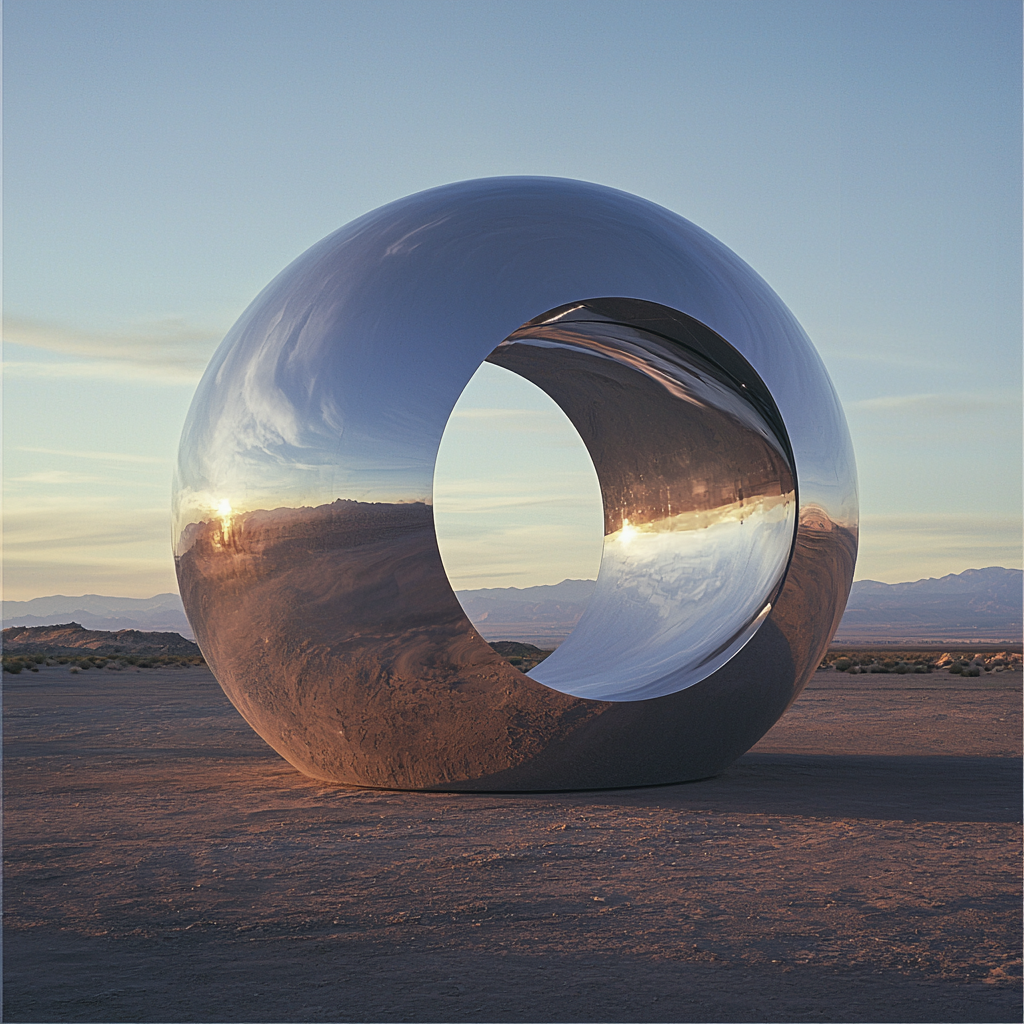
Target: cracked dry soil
[[862, 863]]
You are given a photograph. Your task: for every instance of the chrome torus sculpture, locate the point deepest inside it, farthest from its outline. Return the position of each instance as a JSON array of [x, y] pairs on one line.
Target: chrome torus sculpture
[[303, 531]]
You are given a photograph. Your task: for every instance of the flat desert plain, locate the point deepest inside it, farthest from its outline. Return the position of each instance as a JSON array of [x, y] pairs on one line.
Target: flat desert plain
[[862, 863]]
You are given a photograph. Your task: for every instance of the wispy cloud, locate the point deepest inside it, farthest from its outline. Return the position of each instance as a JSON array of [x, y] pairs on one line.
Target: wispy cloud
[[98, 456], [896, 356], [170, 352], [936, 403], [896, 548], [86, 545], [880, 347], [56, 477], [512, 556], [497, 414], [552, 424]]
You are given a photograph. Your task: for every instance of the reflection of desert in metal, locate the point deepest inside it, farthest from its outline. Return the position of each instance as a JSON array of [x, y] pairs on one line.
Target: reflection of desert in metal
[[335, 634], [338, 640]]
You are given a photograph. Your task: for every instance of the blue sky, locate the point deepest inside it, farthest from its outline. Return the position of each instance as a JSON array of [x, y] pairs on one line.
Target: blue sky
[[164, 160]]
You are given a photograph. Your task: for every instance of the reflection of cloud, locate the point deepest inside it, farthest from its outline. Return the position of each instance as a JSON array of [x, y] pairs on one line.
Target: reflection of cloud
[[171, 352], [405, 245]]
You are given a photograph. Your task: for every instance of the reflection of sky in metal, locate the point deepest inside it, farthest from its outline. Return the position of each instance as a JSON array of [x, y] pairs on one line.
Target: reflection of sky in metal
[[674, 601], [298, 407]]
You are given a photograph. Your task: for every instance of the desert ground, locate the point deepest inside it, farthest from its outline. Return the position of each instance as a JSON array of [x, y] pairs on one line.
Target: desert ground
[[861, 863]]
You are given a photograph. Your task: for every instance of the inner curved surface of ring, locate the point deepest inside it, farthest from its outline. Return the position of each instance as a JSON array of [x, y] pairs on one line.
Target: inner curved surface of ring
[[698, 488]]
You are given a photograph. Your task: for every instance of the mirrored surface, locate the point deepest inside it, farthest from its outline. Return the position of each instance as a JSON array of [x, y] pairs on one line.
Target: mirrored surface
[[303, 530], [697, 485]]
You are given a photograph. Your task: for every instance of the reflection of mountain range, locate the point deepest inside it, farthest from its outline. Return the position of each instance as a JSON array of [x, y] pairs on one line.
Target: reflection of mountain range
[[93, 611]]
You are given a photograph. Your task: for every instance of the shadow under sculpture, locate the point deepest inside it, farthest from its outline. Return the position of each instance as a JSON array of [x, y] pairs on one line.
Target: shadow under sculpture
[[303, 530]]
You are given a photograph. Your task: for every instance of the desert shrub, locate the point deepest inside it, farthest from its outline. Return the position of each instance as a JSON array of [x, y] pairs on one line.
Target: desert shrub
[[879, 668], [84, 663], [842, 664], [12, 666], [972, 671], [62, 661], [39, 659]]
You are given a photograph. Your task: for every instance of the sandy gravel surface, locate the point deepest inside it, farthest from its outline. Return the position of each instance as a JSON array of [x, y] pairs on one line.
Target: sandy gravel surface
[[862, 863]]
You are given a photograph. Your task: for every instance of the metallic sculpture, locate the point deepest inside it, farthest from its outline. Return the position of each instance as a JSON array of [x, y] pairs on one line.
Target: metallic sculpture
[[303, 530]]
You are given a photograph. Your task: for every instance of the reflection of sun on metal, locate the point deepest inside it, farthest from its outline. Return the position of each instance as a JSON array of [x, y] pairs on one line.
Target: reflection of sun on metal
[[224, 512], [324, 609], [627, 533]]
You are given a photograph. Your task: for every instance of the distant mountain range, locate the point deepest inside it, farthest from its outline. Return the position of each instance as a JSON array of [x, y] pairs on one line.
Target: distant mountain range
[[71, 639], [163, 613], [975, 604], [538, 615]]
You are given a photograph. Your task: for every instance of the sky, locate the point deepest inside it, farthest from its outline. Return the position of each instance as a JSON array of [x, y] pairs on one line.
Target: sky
[[163, 161]]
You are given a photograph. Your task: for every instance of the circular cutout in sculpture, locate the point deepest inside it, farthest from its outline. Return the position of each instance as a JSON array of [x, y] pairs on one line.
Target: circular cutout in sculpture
[[517, 512], [304, 540]]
